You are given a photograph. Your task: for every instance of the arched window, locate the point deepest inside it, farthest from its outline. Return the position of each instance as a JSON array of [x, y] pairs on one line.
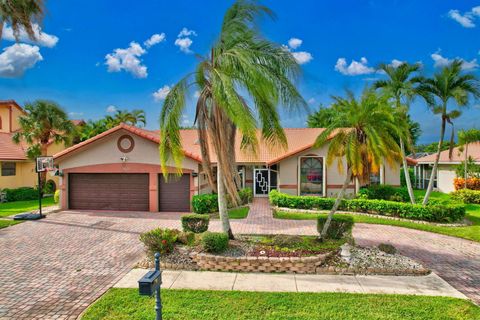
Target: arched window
[[311, 176]]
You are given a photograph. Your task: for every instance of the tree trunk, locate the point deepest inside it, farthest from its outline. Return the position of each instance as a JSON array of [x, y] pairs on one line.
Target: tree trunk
[[435, 164], [466, 169], [222, 203], [406, 172], [340, 196]]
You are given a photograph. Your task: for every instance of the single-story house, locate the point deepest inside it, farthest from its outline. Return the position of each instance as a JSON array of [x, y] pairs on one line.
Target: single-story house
[[446, 167], [119, 169]]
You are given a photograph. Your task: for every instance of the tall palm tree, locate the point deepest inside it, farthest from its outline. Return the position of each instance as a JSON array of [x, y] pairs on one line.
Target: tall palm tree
[[21, 15], [400, 85], [449, 83], [465, 137], [242, 81], [44, 122], [362, 133], [132, 118]]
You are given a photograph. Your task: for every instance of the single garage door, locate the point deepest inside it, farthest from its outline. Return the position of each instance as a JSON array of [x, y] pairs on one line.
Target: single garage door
[[174, 195], [108, 191]]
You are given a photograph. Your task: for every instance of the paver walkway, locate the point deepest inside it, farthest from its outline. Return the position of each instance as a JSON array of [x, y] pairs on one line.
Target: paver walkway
[[55, 267], [431, 285]]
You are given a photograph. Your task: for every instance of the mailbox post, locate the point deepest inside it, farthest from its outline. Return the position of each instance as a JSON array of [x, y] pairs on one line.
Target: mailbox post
[[150, 284]]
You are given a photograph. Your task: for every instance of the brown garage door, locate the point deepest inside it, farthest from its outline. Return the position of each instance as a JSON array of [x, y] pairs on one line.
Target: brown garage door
[[174, 195], [108, 191]]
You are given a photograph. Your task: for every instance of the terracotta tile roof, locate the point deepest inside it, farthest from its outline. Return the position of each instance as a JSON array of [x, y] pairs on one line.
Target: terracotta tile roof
[[10, 150], [299, 139], [78, 122], [457, 155], [411, 161]]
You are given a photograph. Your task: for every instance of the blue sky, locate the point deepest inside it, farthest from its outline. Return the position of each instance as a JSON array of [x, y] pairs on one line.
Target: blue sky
[[78, 65]]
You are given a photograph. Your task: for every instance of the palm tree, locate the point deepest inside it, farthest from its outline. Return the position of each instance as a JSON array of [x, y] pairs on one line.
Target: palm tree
[[241, 67], [465, 137], [21, 15], [400, 85], [361, 134], [447, 84], [44, 122], [132, 118]]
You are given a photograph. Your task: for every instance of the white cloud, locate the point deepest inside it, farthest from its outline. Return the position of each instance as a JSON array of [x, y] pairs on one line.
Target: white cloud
[[111, 109], [127, 60], [75, 114], [16, 59], [355, 68], [196, 94], [184, 41], [161, 93], [185, 121], [186, 33], [396, 63], [43, 39], [476, 10], [311, 101], [155, 39], [466, 20], [294, 43], [184, 44], [302, 57], [440, 61]]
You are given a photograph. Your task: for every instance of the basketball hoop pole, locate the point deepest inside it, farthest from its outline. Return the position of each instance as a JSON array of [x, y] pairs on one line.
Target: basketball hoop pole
[[40, 193]]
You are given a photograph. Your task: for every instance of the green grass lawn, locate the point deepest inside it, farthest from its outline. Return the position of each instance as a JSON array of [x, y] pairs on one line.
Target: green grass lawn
[[471, 232], [236, 213], [10, 208], [120, 304], [8, 223]]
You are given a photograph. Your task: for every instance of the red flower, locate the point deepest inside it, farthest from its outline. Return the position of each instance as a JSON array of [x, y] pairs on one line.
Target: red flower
[[164, 241]]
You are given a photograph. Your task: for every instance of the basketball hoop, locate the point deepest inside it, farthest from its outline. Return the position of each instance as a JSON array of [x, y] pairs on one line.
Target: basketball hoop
[[44, 164]]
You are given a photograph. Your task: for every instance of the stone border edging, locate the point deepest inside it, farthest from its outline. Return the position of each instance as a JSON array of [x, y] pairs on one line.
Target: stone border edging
[[260, 264], [374, 216]]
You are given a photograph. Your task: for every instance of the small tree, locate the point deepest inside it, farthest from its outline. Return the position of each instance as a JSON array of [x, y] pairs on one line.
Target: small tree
[[44, 123], [360, 134], [465, 137]]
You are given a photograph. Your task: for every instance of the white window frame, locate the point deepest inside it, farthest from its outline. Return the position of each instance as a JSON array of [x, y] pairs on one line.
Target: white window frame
[[299, 172]]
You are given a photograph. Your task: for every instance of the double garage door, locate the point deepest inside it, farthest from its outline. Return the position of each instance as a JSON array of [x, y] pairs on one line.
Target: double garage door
[[126, 191]]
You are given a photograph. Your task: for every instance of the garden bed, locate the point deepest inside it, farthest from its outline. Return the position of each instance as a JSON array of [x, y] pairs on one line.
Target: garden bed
[[287, 254]]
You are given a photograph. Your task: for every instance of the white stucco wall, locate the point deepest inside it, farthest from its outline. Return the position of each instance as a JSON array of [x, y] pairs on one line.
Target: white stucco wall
[[446, 175], [105, 151]]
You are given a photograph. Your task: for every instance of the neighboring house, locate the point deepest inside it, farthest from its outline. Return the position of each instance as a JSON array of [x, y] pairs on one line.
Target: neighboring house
[[120, 170], [16, 170], [446, 167]]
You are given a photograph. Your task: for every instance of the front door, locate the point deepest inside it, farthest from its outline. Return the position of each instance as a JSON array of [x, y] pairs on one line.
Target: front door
[[261, 184]]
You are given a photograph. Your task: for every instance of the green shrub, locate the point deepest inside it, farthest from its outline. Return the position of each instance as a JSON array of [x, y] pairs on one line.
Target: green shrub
[[384, 192], [215, 242], [186, 237], [338, 226], [205, 203], [159, 240], [56, 196], [246, 195], [438, 211], [196, 223], [21, 194], [466, 196]]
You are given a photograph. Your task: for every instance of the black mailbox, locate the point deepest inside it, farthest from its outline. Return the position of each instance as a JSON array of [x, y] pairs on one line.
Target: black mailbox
[[150, 283]]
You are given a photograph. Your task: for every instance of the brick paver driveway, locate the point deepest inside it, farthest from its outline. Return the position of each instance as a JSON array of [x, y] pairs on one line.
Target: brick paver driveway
[[54, 268]]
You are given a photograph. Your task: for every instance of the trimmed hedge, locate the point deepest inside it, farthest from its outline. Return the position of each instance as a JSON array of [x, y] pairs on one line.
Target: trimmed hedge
[[215, 242], [21, 194], [384, 192], [208, 203], [436, 211], [196, 223], [466, 196], [338, 226]]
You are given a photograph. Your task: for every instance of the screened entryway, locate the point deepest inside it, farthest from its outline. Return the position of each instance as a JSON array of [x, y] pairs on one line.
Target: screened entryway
[[264, 180]]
